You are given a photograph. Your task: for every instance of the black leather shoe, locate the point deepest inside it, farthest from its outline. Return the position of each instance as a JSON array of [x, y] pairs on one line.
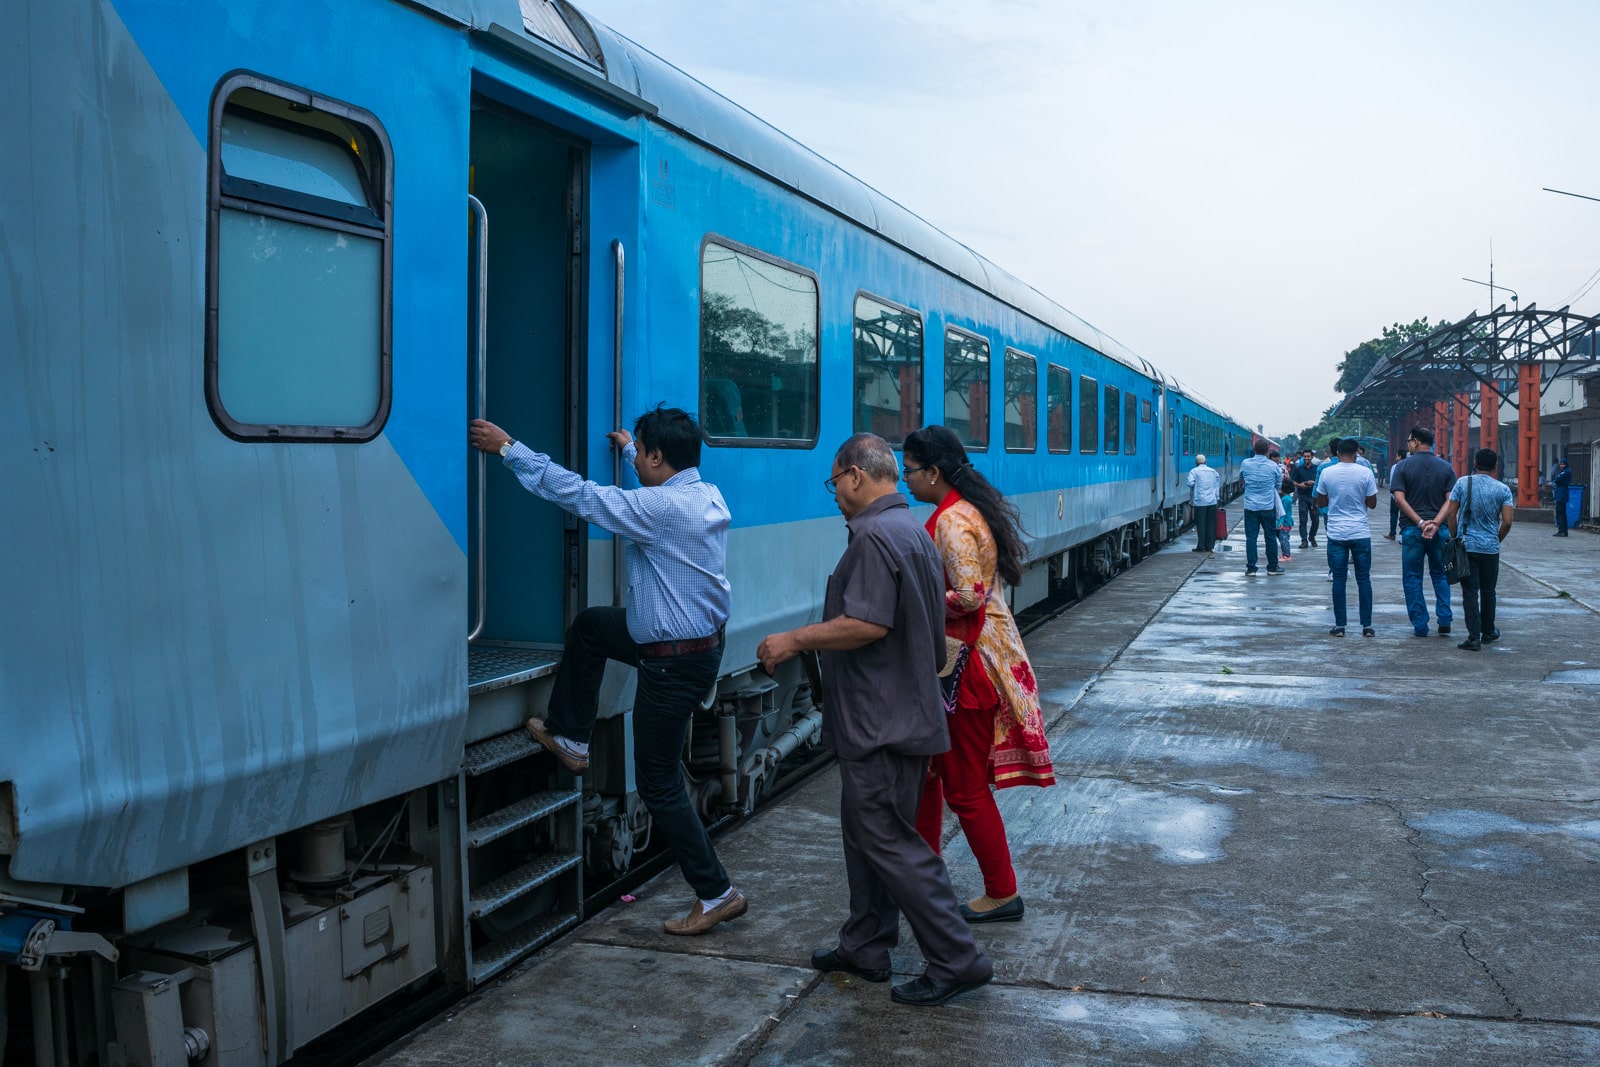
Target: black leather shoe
[[925, 992], [1489, 639], [1444, 631], [1009, 912], [1471, 644], [828, 960]]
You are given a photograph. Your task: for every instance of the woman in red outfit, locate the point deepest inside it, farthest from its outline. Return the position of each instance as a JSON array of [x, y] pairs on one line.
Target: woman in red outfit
[[996, 726]]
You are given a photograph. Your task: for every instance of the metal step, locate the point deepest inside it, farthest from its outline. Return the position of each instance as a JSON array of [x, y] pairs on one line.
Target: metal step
[[498, 824], [498, 955], [498, 751], [510, 886], [495, 668]]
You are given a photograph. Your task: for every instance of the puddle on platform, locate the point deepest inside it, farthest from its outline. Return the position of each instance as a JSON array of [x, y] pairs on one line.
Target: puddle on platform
[[1588, 677], [1460, 833], [1183, 830]]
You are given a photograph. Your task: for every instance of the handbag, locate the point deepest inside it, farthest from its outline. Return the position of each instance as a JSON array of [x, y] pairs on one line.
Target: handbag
[[1456, 562]]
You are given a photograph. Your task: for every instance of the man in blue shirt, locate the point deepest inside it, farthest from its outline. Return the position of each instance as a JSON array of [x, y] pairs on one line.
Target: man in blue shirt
[[1561, 482], [1304, 476], [1483, 503], [1262, 479], [671, 630]]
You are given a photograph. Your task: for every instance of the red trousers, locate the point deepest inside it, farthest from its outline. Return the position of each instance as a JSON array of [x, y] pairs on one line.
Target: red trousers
[[961, 778]]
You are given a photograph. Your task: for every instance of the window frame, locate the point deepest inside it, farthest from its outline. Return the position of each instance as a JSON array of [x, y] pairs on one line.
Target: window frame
[[1111, 408], [1130, 423], [290, 206], [800, 443], [922, 364], [1005, 374], [1083, 391], [988, 384], [1070, 410]]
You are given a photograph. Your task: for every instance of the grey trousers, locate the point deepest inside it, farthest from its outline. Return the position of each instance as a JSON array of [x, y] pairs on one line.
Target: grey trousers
[[891, 869]]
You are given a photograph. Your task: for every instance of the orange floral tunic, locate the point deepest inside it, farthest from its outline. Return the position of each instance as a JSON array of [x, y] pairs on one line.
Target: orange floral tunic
[[975, 608]]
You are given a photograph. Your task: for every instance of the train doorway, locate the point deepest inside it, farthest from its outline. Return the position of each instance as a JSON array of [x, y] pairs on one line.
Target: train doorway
[[525, 300]]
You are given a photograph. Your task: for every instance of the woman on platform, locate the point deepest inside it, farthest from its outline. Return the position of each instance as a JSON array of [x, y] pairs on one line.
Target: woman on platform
[[996, 726]]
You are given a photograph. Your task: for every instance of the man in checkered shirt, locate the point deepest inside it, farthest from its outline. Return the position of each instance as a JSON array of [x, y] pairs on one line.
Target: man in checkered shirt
[[671, 630]]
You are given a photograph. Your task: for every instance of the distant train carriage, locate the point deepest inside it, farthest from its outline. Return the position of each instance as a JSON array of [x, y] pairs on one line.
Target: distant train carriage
[[273, 633]]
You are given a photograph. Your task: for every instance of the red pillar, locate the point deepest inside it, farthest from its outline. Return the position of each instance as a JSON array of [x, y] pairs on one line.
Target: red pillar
[[1441, 428], [1488, 418], [1458, 437], [1528, 435]]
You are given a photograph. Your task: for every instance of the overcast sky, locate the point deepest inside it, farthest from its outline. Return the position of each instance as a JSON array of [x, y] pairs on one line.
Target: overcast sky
[[1238, 191]]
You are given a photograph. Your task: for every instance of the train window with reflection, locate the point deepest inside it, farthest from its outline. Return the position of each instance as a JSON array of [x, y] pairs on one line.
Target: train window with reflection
[[1088, 414], [758, 349], [1113, 421], [297, 266], [966, 388], [888, 369], [1130, 424], [1022, 402], [1058, 409]]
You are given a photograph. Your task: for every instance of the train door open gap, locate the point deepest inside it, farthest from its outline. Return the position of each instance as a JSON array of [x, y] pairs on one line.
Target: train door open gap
[[530, 179]]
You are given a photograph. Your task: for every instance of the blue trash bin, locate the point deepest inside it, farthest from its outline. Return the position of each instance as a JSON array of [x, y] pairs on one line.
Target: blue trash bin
[[1575, 504]]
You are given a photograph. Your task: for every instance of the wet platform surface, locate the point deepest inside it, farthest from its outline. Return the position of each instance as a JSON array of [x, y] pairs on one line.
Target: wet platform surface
[[1268, 846]]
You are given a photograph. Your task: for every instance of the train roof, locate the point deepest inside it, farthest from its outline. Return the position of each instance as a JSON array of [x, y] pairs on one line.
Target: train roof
[[700, 112]]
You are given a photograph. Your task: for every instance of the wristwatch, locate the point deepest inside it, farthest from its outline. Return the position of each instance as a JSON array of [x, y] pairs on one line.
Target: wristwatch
[[505, 449]]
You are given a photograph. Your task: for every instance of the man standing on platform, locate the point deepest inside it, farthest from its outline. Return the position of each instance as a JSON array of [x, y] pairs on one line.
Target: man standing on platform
[[1348, 490], [1561, 483], [1421, 485], [882, 644], [1483, 504], [1262, 479], [1205, 488], [671, 630], [1304, 476]]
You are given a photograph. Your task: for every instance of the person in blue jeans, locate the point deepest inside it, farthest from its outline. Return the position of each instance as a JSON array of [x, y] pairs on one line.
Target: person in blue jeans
[[1262, 478], [1421, 485], [1348, 490]]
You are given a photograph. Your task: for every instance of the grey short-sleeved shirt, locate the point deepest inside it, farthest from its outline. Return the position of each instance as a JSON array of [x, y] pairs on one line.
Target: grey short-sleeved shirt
[[885, 695], [1426, 481]]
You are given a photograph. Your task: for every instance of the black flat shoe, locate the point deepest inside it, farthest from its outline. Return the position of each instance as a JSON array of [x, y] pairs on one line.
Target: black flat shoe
[[925, 992], [828, 960], [1471, 644], [1009, 912]]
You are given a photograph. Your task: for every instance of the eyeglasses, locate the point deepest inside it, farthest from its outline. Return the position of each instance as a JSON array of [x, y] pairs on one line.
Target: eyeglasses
[[908, 470], [832, 484]]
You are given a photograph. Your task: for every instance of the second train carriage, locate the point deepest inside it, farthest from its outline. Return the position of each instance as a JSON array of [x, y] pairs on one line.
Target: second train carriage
[[272, 634]]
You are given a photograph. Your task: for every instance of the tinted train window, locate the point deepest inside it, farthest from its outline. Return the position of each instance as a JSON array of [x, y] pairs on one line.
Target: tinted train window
[[1058, 409], [1113, 410], [758, 349], [1088, 414], [888, 366], [966, 388], [1144, 411], [1130, 424], [298, 266], [1022, 402]]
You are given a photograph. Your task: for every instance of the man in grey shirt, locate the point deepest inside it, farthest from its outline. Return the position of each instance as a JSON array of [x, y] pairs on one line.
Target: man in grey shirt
[[1420, 486], [882, 645]]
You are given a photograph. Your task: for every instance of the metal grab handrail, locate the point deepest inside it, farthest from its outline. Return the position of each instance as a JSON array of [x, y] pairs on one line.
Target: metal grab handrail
[[481, 406], [618, 578]]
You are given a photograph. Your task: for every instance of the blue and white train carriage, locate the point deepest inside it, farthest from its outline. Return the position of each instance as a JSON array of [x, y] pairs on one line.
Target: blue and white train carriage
[[270, 634]]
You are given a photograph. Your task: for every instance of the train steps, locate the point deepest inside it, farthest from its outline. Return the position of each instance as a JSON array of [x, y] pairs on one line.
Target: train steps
[[518, 821]]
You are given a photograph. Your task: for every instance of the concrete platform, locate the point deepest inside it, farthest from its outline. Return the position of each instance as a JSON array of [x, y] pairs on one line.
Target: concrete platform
[[1268, 846]]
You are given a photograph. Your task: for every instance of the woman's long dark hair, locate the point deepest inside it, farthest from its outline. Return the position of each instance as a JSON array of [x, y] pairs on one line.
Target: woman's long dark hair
[[938, 446]]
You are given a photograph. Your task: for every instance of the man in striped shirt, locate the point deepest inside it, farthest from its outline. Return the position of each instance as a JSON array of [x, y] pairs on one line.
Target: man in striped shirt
[[671, 630]]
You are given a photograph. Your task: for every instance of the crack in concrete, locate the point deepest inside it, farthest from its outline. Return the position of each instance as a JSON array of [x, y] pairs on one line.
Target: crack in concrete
[[1424, 871], [1289, 794], [745, 1052]]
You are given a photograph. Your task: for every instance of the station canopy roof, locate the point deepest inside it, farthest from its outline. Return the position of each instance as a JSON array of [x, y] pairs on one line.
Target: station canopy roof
[[1478, 350]]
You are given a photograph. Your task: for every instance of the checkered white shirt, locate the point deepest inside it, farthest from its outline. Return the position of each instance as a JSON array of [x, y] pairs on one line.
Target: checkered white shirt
[[677, 541]]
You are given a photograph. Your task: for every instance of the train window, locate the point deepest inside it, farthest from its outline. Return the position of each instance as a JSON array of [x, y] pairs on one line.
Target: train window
[[758, 349], [1088, 414], [1113, 425], [298, 277], [1058, 408], [888, 369], [1144, 411], [1022, 402], [1130, 424], [966, 388]]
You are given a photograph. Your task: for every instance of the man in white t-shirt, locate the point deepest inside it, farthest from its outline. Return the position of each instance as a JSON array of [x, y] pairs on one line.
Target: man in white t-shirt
[[1205, 486], [1348, 490]]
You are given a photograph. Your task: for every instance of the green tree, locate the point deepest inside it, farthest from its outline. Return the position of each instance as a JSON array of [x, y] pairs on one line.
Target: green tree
[[1360, 359]]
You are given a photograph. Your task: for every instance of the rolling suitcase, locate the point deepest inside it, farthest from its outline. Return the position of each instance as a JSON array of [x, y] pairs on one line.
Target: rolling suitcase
[[1222, 524]]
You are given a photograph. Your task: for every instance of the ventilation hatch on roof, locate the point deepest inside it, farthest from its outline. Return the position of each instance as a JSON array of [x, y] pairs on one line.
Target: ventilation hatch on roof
[[557, 23]]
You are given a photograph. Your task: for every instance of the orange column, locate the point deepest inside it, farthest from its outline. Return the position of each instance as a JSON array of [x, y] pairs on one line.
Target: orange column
[[1527, 435], [1458, 437], [1488, 418], [1441, 428]]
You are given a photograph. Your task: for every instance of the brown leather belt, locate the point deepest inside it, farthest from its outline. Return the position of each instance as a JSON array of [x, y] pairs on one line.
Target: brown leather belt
[[663, 649]]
